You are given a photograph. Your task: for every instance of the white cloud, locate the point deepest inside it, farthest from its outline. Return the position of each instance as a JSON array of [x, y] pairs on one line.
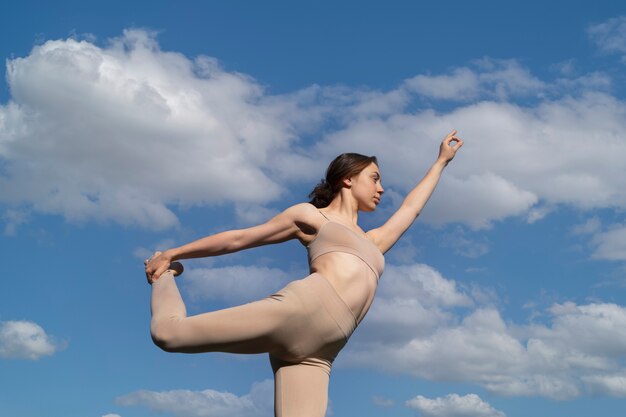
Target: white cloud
[[234, 284], [491, 78], [605, 242], [144, 253], [111, 415], [248, 214], [610, 35], [24, 340], [403, 252], [207, 403], [464, 246], [376, 103], [411, 299], [474, 194], [14, 218], [431, 327], [422, 333], [552, 153], [538, 212], [610, 244], [453, 405], [128, 133], [462, 84], [594, 81], [592, 225], [422, 282], [382, 401], [614, 385]]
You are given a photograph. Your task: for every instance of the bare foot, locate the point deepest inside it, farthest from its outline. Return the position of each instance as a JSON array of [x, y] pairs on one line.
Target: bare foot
[[176, 268]]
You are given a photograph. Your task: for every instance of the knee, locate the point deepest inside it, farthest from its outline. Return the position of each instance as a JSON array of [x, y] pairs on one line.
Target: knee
[[163, 334]]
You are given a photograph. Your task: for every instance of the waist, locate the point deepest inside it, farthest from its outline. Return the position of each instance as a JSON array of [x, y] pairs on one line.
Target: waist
[[351, 278]]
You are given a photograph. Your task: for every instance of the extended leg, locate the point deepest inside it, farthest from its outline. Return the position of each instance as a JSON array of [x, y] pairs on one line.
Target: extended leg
[[251, 328], [301, 389]]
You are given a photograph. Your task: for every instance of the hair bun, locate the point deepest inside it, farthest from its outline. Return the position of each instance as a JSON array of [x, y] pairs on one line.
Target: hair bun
[[344, 166]]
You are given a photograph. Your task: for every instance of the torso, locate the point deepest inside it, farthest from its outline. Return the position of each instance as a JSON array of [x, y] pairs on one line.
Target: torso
[[350, 261]]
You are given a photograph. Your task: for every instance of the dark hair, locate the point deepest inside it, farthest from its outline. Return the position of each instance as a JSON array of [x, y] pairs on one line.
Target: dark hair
[[344, 166]]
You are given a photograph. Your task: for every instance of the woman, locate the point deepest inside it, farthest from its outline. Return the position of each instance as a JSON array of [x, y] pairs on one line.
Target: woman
[[304, 325]]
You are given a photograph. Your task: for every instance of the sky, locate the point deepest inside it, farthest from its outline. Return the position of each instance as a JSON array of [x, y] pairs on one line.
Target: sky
[[128, 127]]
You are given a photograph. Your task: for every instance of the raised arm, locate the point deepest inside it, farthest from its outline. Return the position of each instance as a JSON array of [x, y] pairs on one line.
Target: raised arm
[[389, 233], [284, 226]]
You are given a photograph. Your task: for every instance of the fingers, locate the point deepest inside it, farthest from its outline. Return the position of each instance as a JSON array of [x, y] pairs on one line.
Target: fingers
[[155, 267], [447, 150], [151, 276], [151, 260], [453, 138], [157, 273]]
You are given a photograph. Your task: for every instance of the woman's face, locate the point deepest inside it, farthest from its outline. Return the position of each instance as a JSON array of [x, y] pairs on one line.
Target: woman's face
[[367, 188]]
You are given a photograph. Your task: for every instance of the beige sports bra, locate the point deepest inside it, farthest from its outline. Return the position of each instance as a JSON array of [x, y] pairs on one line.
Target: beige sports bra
[[335, 237]]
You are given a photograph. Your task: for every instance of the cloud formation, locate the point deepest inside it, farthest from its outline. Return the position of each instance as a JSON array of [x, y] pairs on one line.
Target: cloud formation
[[126, 131], [233, 284], [513, 158], [129, 133], [382, 401], [605, 242], [453, 405], [499, 79], [207, 403], [610, 35], [432, 327], [447, 334], [24, 340], [610, 244]]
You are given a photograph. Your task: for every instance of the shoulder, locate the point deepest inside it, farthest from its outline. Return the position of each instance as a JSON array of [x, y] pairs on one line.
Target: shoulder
[[307, 219], [303, 215], [301, 212]]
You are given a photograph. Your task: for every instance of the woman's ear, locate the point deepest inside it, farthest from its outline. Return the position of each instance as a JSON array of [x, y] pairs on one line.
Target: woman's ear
[[347, 182]]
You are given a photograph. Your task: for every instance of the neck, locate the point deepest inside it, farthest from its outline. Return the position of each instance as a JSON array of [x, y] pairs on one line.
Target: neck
[[344, 206]]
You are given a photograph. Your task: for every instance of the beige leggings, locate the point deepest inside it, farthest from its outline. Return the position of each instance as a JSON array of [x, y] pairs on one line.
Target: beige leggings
[[302, 327]]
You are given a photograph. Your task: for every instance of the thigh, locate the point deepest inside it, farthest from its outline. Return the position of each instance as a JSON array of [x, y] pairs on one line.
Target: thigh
[[301, 389], [250, 328]]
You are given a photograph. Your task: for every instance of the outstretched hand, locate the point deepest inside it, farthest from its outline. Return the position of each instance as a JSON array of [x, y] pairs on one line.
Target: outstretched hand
[[447, 150]]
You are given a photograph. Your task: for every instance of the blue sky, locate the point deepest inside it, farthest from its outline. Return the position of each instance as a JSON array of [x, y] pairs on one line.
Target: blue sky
[[128, 127]]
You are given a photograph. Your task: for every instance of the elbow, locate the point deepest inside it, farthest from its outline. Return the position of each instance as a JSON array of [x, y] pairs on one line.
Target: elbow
[[411, 210], [235, 242]]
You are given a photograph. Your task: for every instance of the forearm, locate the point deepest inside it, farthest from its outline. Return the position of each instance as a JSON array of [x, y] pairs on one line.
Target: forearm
[[213, 245], [278, 229], [417, 198]]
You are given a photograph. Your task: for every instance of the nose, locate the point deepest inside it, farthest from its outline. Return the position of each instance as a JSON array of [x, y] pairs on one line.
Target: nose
[[380, 189]]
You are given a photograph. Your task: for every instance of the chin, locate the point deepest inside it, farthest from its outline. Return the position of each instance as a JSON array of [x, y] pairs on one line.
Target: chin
[[367, 206]]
